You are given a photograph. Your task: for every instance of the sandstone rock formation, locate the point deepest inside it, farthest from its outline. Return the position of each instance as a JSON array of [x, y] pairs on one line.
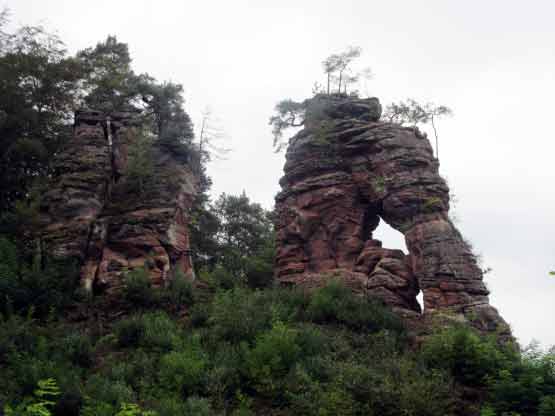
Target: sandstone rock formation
[[346, 171], [91, 213]]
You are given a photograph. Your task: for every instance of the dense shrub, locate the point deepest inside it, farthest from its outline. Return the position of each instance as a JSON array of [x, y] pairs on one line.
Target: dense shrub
[[525, 385], [238, 315], [470, 358], [274, 354], [547, 406], [34, 285], [180, 291], [138, 287], [259, 270], [337, 303], [79, 349], [243, 352], [219, 278], [106, 395], [182, 371], [154, 330]]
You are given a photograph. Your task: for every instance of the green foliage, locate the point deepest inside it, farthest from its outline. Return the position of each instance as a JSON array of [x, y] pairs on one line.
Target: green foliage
[[140, 166], [264, 351], [338, 69], [182, 371], [220, 278], [131, 409], [524, 385], [245, 239], [237, 315], [274, 354], [180, 290], [153, 330], [27, 287], [138, 287], [470, 358], [37, 94], [288, 113], [197, 406], [41, 404], [547, 406], [337, 303], [259, 270], [42, 86], [414, 113], [433, 203]]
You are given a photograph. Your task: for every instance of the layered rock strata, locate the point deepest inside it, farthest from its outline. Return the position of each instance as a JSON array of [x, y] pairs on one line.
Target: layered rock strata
[[346, 171], [93, 215]]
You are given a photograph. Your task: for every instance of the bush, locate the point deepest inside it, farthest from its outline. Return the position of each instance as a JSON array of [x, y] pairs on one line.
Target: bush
[[225, 375], [240, 314], [259, 270], [525, 385], [26, 286], [468, 357], [219, 278], [180, 291], [182, 371], [547, 406], [138, 288], [196, 406], [79, 349], [130, 332], [151, 330], [274, 354], [337, 303], [237, 315], [106, 395], [17, 335], [200, 315], [170, 406]]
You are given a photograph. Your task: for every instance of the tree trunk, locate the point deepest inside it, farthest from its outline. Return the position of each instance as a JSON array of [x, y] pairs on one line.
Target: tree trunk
[[340, 75], [435, 134]]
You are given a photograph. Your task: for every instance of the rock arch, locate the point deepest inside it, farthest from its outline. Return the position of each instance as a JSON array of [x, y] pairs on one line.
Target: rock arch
[[340, 180]]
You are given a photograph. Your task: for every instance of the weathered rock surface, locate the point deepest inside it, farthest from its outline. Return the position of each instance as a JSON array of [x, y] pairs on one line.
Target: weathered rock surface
[[91, 213], [346, 171]]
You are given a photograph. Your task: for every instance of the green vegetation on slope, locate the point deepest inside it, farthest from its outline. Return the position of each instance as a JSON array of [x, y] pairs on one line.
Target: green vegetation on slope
[[242, 351]]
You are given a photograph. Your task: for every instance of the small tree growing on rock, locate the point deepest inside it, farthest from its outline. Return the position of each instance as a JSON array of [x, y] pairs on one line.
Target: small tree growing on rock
[[210, 136], [338, 69], [288, 114], [414, 113]]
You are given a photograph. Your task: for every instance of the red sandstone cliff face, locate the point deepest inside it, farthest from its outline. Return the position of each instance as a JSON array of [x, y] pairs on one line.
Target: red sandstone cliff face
[[92, 215], [346, 171]]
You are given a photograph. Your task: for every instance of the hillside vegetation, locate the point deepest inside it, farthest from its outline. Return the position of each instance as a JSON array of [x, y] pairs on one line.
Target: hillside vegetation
[[230, 343], [216, 349]]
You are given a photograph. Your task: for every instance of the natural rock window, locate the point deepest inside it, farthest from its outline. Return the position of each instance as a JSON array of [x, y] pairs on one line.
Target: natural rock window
[[346, 172]]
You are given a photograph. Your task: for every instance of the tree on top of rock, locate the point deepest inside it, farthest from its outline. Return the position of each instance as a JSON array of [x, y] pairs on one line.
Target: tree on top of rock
[[110, 83], [340, 75], [339, 71], [288, 113], [415, 113]]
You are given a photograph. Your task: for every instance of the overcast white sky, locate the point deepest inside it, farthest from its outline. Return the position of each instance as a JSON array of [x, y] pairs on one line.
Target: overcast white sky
[[491, 61]]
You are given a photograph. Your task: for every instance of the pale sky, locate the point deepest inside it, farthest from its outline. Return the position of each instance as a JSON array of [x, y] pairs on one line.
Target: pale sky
[[491, 61]]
